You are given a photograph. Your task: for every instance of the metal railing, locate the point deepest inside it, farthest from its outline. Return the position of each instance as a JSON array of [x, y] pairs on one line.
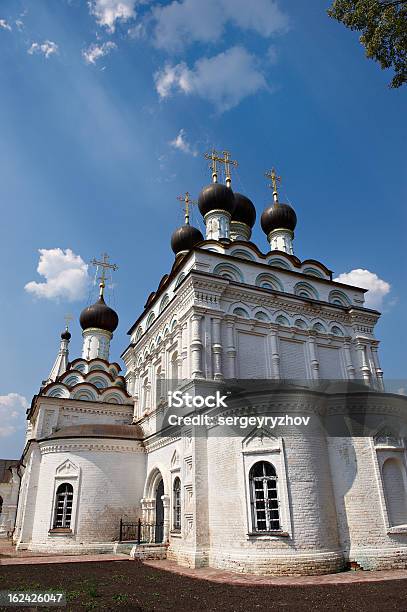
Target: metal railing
[[141, 533]]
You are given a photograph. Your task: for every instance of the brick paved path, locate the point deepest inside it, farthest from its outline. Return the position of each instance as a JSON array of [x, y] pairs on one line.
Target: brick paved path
[[215, 575], [9, 556]]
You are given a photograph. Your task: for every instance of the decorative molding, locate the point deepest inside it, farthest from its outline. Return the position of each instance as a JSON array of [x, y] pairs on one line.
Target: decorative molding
[[47, 447]]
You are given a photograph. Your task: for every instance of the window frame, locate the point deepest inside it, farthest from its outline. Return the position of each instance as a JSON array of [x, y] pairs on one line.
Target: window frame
[[176, 505], [66, 473], [381, 452], [261, 484], [67, 497], [260, 445]]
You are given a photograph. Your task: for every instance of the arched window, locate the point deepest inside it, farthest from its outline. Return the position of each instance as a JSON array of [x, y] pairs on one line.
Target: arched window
[[176, 505], [63, 506], [279, 263], [336, 331], [318, 327], [313, 272], [72, 380], [150, 319], [269, 281], [264, 497], [243, 255], [300, 323], [98, 381], [164, 302], [395, 491], [306, 290], [228, 271], [262, 316], [338, 298], [179, 279], [281, 320], [240, 312]]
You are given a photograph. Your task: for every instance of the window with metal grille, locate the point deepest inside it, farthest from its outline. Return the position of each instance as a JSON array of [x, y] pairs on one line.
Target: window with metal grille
[[63, 506], [264, 497], [177, 504]]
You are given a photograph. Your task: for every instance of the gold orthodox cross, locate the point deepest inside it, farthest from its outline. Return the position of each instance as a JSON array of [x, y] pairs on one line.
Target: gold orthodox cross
[[187, 203], [68, 318], [105, 265], [274, 179], [215, 159]]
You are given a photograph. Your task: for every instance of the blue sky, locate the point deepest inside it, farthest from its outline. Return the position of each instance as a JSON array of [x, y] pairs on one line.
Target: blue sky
[[105, 110]]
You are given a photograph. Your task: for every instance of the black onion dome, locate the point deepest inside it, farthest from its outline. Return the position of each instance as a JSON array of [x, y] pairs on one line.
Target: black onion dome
[[245, 211], [99, 315], [65, 335], [216, 196], [184, 238], [278, 216]]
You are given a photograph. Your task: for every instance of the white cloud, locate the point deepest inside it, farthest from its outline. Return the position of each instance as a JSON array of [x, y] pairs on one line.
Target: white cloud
[[95, 51], [108, 12], [12, 413], [377, 288], [66, 275], [181, 143], [47, 48], [5, 25], [224, 79], [181, 23]]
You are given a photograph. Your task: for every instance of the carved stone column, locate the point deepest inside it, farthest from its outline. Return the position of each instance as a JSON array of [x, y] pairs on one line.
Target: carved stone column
[[313, 355], [167, 518], [364, 366], [136, 395], [184, 350], [196, 347], [179, 353], [231, 347], [217, 349], [348, 360], [275, 355], [378, 370]]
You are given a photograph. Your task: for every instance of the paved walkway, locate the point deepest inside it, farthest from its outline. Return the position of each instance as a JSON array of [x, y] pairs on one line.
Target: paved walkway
[[9, 556], [215, 575]]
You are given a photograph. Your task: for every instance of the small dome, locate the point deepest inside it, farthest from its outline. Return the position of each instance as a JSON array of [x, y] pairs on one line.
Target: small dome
[[65, 335], [184, 238], [278, 216], [245, 211], [216, 197], [99, 315]]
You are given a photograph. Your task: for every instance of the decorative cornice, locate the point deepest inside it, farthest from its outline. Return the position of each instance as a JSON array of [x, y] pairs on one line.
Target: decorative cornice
[[61, 447]]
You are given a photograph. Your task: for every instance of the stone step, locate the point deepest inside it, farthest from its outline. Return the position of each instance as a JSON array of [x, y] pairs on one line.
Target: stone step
[[149, 551]]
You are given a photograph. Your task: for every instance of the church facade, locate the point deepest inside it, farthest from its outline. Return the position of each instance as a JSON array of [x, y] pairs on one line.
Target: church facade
[[97, 452]]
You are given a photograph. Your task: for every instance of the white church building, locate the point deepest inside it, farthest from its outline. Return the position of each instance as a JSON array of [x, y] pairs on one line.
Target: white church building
[[96, 452]]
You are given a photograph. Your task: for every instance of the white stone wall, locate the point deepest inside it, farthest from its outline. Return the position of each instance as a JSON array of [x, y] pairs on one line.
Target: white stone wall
[[107, 476], [9, 494], [365, 533]]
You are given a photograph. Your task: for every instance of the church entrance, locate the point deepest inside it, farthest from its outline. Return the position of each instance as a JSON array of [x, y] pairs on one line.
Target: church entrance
[[159, 513]]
